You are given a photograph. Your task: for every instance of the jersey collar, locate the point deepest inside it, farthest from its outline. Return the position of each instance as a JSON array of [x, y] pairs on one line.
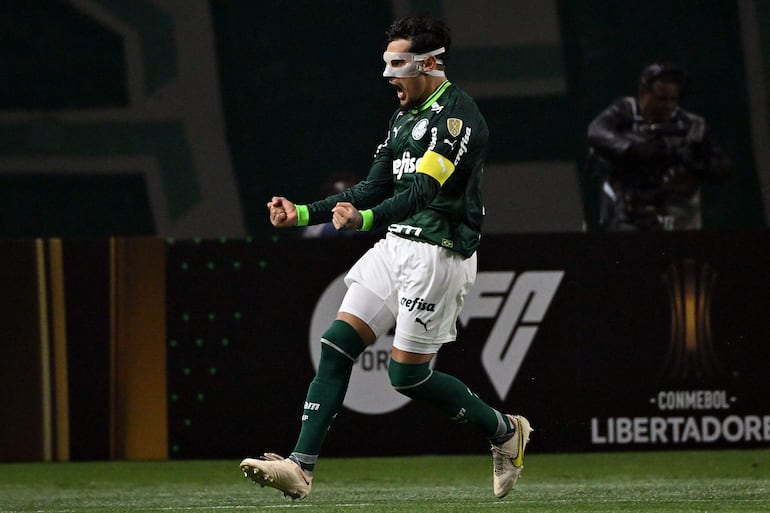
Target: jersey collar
[[432, 98]]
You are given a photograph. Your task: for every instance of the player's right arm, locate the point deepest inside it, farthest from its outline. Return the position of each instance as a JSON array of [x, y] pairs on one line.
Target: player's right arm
[[283, 213]]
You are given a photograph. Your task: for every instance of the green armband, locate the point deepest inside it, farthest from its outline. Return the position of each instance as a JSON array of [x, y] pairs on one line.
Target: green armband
[[368, 220], [303, 215]]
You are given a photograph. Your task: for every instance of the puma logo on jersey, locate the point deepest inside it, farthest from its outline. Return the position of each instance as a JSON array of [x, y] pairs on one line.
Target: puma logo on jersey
[[460, 417], [424, 324]]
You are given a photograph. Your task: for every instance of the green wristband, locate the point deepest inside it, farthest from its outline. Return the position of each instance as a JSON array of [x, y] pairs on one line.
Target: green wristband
[[368, 220], [303, 215]]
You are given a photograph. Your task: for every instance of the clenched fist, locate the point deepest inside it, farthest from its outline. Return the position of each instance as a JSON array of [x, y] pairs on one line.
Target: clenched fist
[[346, 217], [283, 213]]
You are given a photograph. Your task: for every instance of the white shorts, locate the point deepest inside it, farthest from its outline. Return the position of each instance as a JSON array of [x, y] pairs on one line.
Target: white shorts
[[419, 286]]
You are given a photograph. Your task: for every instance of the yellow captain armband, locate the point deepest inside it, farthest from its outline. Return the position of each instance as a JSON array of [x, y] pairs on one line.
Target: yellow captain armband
[[303, 215], [435, 165]]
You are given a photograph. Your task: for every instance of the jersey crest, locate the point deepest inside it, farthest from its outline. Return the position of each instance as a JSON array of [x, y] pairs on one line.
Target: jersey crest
[[419, 129]]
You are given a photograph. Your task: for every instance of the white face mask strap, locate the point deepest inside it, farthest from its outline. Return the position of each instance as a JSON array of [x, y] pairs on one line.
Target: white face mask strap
[[436, 72]]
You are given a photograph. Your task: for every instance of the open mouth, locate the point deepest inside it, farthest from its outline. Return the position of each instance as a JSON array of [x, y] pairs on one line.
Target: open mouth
[[399, 90]]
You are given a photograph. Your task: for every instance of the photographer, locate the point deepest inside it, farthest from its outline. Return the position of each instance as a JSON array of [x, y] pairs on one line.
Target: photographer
[[651, 157]]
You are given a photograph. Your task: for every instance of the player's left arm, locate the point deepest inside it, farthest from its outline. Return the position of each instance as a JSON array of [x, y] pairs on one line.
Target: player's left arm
[[422, 191]]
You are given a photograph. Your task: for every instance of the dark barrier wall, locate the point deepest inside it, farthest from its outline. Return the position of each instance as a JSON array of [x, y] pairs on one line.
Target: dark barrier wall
[[21, 355], [605, 342], [82, 350]]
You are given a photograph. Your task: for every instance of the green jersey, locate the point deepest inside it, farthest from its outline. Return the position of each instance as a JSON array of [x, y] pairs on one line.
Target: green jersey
[[437, 200]]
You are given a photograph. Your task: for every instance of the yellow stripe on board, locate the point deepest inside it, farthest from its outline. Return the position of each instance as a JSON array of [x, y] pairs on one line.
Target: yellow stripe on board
[[59, 323], [45, 357]]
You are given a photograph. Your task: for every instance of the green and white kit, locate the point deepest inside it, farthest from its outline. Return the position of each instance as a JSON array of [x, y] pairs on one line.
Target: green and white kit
[[425, 181]]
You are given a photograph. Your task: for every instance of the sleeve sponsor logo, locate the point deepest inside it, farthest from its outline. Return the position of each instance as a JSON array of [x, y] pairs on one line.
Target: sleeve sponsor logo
[[463, 145]]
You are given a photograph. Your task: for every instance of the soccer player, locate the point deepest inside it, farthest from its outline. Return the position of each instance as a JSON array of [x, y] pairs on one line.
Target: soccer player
[[424, 187]]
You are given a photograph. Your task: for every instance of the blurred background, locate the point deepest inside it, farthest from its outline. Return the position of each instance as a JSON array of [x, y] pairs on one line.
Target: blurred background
[[141, 139], [181, 118]]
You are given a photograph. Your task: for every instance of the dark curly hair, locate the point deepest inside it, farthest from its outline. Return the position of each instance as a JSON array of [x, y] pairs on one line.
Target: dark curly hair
[[425, 33], [663, 71]]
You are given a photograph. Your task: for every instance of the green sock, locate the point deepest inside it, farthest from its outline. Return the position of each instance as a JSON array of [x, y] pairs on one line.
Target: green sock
[[450, 395], [340, 347]]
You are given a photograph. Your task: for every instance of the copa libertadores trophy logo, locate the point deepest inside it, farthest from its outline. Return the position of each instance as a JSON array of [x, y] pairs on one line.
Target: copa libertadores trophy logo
[[695, 406], [691, 354]]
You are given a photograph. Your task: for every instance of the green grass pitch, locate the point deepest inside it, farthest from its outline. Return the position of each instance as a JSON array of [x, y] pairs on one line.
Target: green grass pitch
[[676, 481]]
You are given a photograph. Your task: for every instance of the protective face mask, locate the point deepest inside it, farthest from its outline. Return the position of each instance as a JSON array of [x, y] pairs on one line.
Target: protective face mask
[[408, 64]]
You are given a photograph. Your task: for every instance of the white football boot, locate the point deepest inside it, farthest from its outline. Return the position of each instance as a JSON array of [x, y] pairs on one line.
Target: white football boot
[[280, 473], [508, 458]]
